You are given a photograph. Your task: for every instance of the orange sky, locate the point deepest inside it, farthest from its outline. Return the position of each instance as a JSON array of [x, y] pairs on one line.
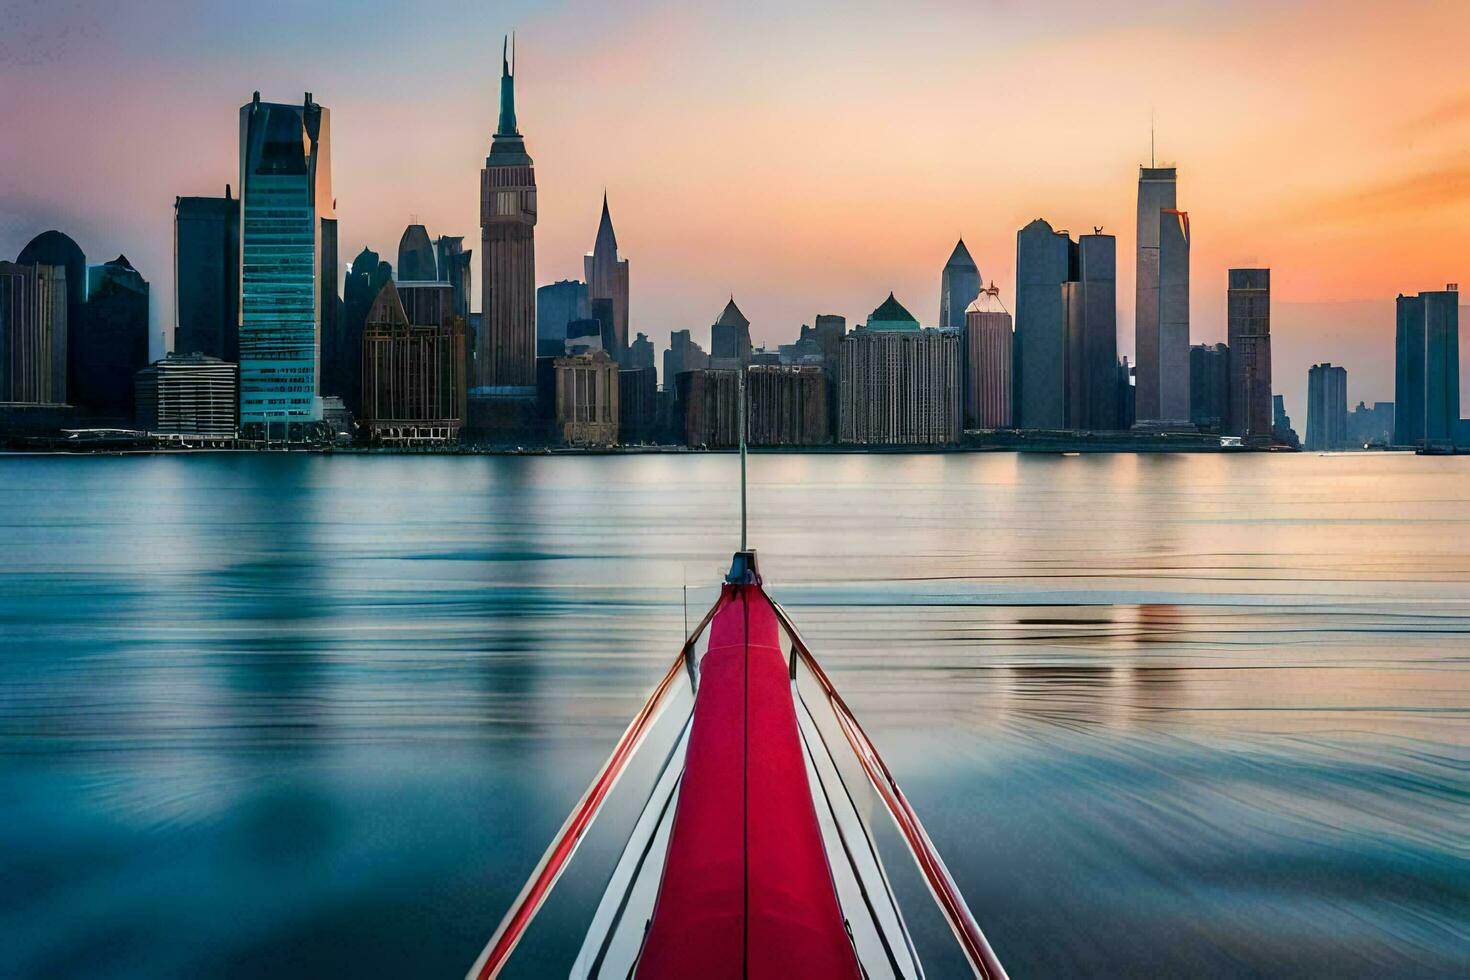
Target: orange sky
[[807, 158]]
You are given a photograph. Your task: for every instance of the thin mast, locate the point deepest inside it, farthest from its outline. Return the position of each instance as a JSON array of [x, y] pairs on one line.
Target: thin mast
[[742, 461]]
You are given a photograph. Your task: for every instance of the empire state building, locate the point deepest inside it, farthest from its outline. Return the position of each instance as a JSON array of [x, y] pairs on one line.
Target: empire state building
[[505, 345]]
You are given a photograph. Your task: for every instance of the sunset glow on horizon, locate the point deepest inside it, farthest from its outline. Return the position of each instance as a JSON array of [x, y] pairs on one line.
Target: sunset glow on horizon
[[806, 159]]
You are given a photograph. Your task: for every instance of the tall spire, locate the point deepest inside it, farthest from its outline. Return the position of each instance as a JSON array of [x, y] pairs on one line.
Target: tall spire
[[507, 125], [607, 239]]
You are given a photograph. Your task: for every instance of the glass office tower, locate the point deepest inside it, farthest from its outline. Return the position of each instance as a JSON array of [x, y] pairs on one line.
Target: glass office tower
[[288, 260]]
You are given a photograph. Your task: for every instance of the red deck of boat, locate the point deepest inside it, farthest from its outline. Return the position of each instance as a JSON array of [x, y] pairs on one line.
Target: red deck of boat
[[746, 890]]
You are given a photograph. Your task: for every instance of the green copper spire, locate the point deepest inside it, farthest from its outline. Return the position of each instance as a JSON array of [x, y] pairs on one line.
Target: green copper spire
[[507, 93], [507, 149]]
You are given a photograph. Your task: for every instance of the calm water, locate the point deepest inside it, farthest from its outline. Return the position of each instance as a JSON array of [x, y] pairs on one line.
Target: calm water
[[296, 716]]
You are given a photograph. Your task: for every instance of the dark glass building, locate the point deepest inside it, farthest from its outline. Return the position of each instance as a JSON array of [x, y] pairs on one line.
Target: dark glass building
[[1427, 369], [1209, 387], [454, 268], [416, 256], [1045, 259], [730, 340], [288, 253], [1091, 304], [114, 341], [1326, 407], [959, 285], [557, 305], [342, 352], [207, 276]]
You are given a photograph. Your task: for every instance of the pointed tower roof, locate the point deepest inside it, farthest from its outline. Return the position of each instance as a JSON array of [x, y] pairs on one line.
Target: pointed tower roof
[[387, 308], [507, 125], [507, 149], [732, 317], [960, 258], [891, 315], [607, 239], [988, 301]]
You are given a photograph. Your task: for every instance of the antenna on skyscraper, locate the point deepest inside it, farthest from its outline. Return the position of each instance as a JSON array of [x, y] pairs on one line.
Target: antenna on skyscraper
[[1151, 160]]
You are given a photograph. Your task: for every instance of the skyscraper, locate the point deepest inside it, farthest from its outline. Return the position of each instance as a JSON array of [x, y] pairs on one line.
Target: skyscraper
[[959, 284], [1441, 367], [557, 305], [1091, 317], [1326, 407], [1427, 369], [607, 279], [33, 309], [454, 268], [416, 256], [988, 348], [114, 341], [640, 352], [684, 354], [413, 364], [1157, 191], [1045, 259], [54, 248], [730, 339], [1209, 387], [207, 276], [1281, 430], [505, 350], [1173, 354], [1249, 312], [288, 260], [342, 352], [899, 384]]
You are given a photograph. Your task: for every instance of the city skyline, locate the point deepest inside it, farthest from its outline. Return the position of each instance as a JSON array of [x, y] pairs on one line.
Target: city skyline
[[1345, 222]]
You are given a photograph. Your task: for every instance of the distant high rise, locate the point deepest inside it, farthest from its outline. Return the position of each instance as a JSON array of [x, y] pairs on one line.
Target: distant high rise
[[33, 333], [416, 256], [1326, 407], [988, 362], [1209, 386], [1281, 430], [730, 339], [638, 403], [1045, 259], [207, 276], [1371, 426], [959, 284], [342, 352], [1157, 191], [505, 350], [1441, 367], [454, 268], [557, 305], [684, 354], [1427, 369], [1173, 352], [1091, 316], [607, 279], [189, 395], [640, 353], [54, 248], [288, 259], [1249, 312], [114, 340]]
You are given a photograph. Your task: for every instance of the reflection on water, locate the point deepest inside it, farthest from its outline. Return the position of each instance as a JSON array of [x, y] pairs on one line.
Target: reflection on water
[[305, 716]]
